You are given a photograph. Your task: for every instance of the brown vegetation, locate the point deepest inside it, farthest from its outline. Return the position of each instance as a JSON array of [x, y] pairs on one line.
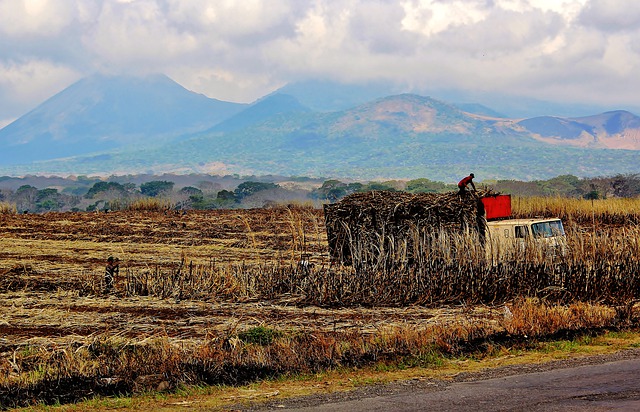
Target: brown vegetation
[[232, 296]]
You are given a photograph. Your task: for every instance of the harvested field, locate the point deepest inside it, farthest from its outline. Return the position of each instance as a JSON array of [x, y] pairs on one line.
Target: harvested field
[[192, 283], [48, 260]]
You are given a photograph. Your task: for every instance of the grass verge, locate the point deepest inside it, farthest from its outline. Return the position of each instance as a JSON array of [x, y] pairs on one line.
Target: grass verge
[[437, 366]]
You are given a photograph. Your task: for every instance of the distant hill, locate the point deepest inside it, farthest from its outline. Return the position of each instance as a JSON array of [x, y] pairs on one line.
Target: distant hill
[[612, 130], [328, 96], [263, 109], [106, 112], [122, 125], [404, 136], [479, 109]]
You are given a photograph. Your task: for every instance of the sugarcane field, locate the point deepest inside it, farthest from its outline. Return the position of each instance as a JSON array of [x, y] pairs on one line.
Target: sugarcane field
[[123, 302]]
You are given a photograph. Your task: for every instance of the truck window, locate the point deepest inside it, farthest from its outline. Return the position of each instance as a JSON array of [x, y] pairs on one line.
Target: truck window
[[548, 229], [521, 232]]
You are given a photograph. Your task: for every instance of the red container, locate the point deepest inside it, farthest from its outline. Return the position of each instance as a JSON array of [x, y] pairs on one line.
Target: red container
[[496, 207]]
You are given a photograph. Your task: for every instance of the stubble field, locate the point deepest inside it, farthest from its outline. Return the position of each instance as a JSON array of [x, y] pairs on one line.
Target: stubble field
[[235, 295]]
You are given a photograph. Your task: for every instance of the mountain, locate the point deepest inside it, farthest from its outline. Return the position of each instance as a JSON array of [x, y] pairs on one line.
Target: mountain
[[263, 109], [479, 109], [403, 136], [406, 113], [107, 112], [613, 130], [152, 125], [329, 96]]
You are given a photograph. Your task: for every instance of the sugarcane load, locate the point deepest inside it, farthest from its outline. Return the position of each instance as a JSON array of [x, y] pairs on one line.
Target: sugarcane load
[[391, 229]]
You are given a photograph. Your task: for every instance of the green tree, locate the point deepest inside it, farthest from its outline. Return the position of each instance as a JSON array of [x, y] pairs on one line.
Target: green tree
[[190, 191], [370, 187], [564, 185], [191, 198], [426, 186], [156, 187], [226, 195], [249, 188], [50, 199], [103, 187], [334, 190]]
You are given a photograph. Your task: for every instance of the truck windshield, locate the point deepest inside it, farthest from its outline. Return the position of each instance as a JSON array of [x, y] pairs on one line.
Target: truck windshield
[[548, 229]]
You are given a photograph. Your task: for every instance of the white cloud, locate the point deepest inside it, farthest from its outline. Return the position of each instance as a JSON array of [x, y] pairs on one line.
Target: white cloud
[[135, 37], [232, 50], [35, 17], [26, 84], [431, 17], [612, 15]]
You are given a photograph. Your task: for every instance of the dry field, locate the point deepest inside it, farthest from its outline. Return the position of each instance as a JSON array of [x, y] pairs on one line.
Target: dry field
[[193, 284], [53, 266]]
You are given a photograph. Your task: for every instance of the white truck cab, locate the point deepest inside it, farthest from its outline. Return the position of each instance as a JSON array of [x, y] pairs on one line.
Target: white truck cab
[[504, 233], [549, 231], [527, 228]]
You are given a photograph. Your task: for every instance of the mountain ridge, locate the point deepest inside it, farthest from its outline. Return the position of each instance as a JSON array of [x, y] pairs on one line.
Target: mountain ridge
[[134, 124]]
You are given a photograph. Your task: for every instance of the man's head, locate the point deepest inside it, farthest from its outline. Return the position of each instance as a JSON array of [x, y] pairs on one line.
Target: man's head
[[472, 175]]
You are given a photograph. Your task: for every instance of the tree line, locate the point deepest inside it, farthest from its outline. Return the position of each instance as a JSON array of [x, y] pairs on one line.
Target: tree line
[[113, 195]]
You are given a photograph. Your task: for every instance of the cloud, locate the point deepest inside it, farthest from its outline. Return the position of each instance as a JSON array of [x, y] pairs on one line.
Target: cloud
[[239, 51], [35, 17], [136, 37], [26, 84], [612, 15], [379, 28]]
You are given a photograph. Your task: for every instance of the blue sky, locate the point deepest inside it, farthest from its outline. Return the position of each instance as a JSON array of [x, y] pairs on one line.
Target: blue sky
[[584, 51]]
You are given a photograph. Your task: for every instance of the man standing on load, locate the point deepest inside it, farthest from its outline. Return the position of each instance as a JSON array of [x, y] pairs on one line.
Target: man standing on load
[[462, 185]]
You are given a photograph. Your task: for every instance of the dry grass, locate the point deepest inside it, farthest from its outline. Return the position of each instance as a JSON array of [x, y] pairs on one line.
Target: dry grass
[[193, 287], [109, 363], [7, 208], [614, 211], [148, 205]]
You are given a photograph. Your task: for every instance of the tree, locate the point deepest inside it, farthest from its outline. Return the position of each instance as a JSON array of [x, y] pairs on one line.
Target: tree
[[190, 191], [25, 197], [370, 187], [156, 187], [564, 185], [191, 197], [50, 199], [104, 187], [626, 185], [226, 195], [426, 186], [334, 190], [249, 188]]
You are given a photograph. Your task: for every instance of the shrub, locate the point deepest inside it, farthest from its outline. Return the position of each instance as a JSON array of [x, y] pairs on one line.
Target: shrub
[[259, 335], [7, 208]]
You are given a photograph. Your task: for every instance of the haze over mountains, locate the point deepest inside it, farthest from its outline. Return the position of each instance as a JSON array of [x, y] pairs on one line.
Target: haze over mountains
[[116, 125]]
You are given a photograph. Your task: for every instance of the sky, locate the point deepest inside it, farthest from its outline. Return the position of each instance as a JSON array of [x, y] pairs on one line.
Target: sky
[[585, 51]]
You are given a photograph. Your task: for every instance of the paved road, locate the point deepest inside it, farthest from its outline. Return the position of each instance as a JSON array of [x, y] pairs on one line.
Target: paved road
[[610, 386]]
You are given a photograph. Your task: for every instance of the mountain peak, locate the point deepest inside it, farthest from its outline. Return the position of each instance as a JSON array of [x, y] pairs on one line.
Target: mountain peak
[[409, 113], [102, 112], [331, 96]]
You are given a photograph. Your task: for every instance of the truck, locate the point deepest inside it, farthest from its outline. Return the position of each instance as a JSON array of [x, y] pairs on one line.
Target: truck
[[502, 231], [393, 229]]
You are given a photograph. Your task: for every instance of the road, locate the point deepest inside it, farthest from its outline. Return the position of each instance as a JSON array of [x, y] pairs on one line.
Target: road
[[613, 385]]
